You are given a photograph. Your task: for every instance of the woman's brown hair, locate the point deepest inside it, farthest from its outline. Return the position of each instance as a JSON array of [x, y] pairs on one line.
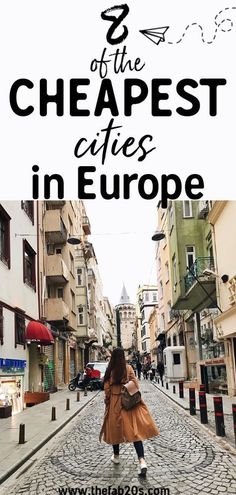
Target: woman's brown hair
[[116, 367]]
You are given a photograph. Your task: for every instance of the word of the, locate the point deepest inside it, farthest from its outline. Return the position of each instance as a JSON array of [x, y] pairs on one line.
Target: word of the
[[120, 63]]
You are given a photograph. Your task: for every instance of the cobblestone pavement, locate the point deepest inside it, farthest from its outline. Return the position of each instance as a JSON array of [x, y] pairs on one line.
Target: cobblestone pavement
[[184, 458]]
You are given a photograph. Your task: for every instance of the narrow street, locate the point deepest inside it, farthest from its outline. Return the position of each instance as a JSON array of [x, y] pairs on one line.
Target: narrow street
[[183, 459]]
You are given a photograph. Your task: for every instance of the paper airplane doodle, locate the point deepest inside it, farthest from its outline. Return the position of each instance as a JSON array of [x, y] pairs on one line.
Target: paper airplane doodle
[[156, 35]]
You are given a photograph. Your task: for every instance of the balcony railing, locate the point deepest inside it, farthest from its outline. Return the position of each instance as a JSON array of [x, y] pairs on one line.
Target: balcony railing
[[198, 267]]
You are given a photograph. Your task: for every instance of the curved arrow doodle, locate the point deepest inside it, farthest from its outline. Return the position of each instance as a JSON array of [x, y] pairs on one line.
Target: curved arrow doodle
[[220, 26]]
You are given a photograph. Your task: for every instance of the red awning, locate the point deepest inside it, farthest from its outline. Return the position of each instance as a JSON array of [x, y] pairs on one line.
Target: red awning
[[37, 332]]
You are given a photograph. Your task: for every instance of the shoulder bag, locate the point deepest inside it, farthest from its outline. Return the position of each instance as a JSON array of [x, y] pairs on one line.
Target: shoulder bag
[[130, 395]]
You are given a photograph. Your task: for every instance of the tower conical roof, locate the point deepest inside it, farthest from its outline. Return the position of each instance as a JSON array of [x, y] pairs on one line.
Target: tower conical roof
[[124, 298]]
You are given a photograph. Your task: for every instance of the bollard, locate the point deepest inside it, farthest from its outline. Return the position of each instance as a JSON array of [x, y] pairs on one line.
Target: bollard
[[173, 389], [192, 402], [53, 416], [202, 388], [219, 416], [162, 383], [67, 404], [181, 390], [85, 392], [167, 386], [203, 407], [78, 396], [234, 420], [22, 433], [158, 381]]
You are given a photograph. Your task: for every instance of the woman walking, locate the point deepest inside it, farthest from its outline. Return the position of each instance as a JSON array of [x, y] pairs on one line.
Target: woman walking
[[121, 425]]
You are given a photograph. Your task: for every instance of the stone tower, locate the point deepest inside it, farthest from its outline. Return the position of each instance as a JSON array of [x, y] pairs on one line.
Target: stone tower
[[127, 321]]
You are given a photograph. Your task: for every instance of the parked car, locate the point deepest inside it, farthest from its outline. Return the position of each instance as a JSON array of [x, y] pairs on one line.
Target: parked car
[[98, 365]]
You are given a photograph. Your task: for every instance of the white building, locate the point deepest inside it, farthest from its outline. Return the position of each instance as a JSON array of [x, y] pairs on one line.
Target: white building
[[18, 296], [146, 301]]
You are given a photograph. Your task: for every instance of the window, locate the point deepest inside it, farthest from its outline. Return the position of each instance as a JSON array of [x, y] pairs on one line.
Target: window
[[29, 265], [167, 271], [190, 255], [28, 207], [171, 215], [49, 291], [161, 289], [70, 226], [169, 342], [1, 325], [19, 329], [144, 346], [72, 294], [181, 338], [60, 292], [80, 315], [146, 296], [174, 339], [80, 276], [5, 237], [187, 209], [169, 310], [162, 321], [174, 269], [58, 250], [176, 358], [154, 297], [71, 264]]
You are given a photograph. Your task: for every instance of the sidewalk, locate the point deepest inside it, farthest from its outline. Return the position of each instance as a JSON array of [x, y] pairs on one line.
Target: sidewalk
[[184, 403], [38, 428]]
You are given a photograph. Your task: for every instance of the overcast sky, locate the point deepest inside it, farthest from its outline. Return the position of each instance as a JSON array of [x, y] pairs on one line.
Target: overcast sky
[[121, 235]]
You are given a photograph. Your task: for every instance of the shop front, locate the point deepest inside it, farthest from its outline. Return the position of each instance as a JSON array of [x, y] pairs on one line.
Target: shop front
[[12, 382], [214, 375]]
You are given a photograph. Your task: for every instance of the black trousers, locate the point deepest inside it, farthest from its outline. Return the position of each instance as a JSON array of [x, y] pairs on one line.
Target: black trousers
[[137, 445]]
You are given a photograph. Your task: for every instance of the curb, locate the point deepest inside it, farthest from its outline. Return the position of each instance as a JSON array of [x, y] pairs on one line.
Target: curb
[[24, 459], [225, 445]]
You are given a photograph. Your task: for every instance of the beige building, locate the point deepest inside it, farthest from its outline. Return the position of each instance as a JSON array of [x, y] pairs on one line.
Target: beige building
[[146, 301], [222, 218], [153, 327]]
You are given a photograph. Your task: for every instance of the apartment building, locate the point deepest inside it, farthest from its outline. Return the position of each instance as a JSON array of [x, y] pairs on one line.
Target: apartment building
[[19, 304]]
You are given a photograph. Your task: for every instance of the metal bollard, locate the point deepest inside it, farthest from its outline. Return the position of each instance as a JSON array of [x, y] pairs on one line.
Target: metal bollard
[[53, 415], [167, 386], [158, 381], [192, 402], [85, 392], [234, 420], [22, 433], [181, 390], [173, 389], [203, 407], [67, 404], [219, 416], [78, 396]]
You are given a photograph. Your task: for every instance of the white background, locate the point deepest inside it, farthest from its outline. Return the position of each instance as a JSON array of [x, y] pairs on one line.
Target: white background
[[58, 39]]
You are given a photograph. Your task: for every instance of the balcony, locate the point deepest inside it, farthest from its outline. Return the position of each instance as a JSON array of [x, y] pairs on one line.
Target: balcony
[[201, 293], [56, 269], [203, 209], [57, 310], [86, 225], [174, 313], [55, 229], [55, 204]]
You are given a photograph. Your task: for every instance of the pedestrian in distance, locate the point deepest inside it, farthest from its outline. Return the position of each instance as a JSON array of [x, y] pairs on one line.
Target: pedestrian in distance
[[153, 369], [139, 369], [160, 369], [121, 425], [145, 370]]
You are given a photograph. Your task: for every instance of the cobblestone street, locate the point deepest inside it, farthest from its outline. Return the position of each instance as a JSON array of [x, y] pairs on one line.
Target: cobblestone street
[[183, 458]]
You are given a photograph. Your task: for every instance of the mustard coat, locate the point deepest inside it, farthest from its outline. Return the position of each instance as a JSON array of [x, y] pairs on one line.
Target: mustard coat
[[119, 425]]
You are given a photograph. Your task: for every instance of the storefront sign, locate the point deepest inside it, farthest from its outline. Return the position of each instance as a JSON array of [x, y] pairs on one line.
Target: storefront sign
[[214, 361], [12, 365]]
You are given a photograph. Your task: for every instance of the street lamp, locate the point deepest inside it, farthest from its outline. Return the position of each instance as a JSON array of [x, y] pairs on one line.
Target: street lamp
[[158, 236], [74, 240]]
